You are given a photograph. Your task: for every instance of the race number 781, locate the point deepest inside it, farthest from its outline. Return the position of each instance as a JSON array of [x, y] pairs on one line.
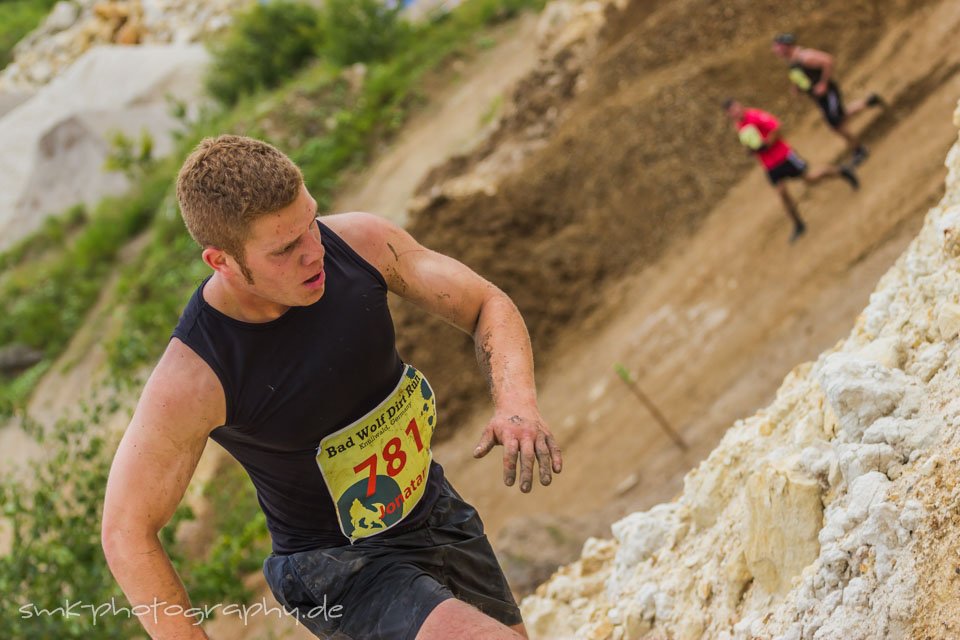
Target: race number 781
[[393, 454]]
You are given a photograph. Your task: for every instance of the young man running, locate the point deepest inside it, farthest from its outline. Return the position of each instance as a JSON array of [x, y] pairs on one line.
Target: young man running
[[286, 357], [811, 71], [759, 132]]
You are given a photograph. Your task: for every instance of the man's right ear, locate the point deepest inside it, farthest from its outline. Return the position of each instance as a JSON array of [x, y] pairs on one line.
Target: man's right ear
[[216, 259]]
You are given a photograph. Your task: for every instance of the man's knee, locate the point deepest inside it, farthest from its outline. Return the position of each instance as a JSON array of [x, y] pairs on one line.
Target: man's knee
[[454, 619]]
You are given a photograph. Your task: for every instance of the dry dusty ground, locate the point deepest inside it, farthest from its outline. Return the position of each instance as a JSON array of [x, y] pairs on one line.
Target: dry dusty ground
[[450, 124], [711, 329]]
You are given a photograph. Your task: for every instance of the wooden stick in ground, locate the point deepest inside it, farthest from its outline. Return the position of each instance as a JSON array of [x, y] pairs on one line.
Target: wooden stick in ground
[[635, 388]]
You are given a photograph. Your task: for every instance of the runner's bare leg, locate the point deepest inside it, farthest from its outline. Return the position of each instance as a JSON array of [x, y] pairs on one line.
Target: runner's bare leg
[[856, 107], [456, 620], [789, 205], [852, 141], [815, 176]]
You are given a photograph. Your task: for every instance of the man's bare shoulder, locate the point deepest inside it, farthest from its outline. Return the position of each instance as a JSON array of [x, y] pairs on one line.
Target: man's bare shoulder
[[812, 57], [184, 391], [359, 228], [375, 238]]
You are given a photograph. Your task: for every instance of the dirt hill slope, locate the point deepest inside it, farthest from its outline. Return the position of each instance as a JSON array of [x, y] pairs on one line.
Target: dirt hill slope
[[831, 513], [712, 327], [637, 155]]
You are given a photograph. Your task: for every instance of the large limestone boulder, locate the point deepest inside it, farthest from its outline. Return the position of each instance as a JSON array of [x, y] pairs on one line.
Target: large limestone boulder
[[56, 143]]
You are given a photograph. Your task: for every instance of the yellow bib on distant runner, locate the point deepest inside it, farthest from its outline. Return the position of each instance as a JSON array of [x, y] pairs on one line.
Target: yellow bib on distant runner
[[750, 137], [801, 79], [376, 468]]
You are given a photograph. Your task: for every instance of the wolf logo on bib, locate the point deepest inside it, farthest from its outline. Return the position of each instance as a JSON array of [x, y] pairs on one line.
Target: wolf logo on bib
[[376, 468]]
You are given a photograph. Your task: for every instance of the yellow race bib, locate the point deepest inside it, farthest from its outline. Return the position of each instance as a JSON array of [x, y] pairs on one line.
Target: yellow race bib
[[750, 137], [801, 79], [376, 468]]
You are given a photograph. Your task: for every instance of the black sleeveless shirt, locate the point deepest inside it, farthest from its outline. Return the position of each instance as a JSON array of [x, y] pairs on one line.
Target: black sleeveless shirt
[[813, 75], [292, 381]]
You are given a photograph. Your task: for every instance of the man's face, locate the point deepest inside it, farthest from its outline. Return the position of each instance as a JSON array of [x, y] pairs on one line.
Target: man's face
[[735, 111], [284, 255], [782, 50]]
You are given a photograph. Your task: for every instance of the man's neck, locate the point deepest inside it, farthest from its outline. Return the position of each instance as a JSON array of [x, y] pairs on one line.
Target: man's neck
[[238, 303]]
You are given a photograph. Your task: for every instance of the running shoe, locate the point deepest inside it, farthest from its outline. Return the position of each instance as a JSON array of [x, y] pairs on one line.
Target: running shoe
[[849, 176], [859, 155], [798, 231]]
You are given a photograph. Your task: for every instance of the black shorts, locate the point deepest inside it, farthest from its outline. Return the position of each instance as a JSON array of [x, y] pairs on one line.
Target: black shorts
[[793, 166], [831, 104], [387, 586]]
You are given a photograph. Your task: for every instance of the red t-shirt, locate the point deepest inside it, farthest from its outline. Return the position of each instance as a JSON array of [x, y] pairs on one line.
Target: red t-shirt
[[765, 123]]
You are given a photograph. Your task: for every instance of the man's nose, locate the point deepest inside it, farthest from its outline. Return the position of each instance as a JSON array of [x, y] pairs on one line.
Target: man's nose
[[314, 249]]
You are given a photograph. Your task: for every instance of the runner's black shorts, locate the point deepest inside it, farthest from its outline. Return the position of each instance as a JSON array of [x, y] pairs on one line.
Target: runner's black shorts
[[831, 104], [793, 166], [387, 586]]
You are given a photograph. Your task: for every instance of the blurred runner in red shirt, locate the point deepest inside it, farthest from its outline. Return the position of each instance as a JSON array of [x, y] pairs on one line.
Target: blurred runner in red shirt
[[759, 132]]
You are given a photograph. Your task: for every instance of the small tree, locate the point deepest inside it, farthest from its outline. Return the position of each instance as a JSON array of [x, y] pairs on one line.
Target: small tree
[[265, 45], [362, 30]]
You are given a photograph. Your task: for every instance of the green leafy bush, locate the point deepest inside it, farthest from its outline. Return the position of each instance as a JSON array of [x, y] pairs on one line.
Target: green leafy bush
[[155, 289], [55, 557], [132, 157], [265, 46], [17, 19], [46, 305], [52, 233], [362, 31]]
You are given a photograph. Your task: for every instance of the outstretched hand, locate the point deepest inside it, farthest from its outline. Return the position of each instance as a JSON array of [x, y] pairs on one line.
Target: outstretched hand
[[529, 437]]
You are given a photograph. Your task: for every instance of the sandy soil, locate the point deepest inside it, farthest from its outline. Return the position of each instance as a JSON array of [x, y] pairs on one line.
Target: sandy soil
[[712, 328], [452, 122], [641, 155]]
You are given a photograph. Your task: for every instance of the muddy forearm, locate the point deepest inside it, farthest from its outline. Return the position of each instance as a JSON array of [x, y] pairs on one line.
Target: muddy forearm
[[504, 353]]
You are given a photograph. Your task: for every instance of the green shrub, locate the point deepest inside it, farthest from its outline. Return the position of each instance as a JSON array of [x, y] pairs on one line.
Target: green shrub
[[54, 525], [362, 31], [46, 305], [155, 289], [265, 46], [17, 19], [52, 233], [132, 157], [14, 393]]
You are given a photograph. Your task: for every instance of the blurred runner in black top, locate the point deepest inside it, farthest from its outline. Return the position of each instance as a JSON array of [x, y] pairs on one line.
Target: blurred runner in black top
[[811, 71]]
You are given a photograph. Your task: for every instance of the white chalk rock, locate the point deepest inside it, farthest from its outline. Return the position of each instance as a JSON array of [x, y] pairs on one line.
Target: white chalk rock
[[860, 391], [640, 535], [856, 460], [906, 435], [784, 514]]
